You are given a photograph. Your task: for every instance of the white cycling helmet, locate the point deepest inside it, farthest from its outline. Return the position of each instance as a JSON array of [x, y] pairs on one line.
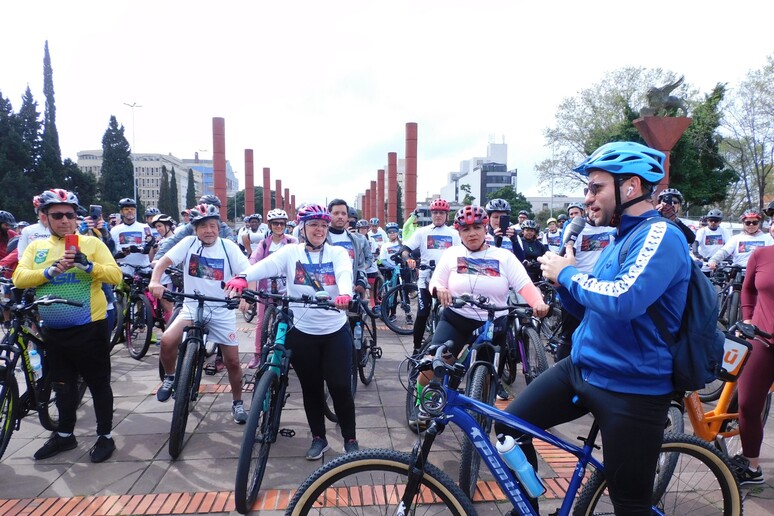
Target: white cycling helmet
[[276, 215]]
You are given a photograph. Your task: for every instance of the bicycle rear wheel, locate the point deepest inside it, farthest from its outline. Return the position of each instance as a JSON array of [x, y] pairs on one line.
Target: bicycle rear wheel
[[249, 314], [479, 387], [183, 395], [260, 434], [268, 329], [329, 413], [117, 332], [371, 482], [368, 352], [399, 308], [700, 482], [9, 399], [48, 412], [139, 327], [510, 356], [535, 360]]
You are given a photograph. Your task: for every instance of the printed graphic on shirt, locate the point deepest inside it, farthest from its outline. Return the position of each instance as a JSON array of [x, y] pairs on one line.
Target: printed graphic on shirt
[[750, 245], [478, 266], [377, 237], [439, 241], [206, 268], [41, 255], [595, 242], [130, 238], [393, 249], [347, 244], [554, 241], [713, 240], [307, 273]]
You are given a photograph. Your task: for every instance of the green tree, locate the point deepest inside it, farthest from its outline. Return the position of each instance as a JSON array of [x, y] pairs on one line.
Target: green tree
[[82, 183], [516, 199], [468, 198], [173, 206], [50, 168], [163, 190], [16, 189], [29, 127], [190, 192], [116, 181]]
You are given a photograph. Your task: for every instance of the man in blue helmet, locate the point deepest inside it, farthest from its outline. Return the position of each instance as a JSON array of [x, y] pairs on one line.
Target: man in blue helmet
[[620, 369]]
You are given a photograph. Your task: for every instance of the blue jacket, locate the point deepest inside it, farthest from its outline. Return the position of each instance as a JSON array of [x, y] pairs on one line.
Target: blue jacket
[[617, 345]]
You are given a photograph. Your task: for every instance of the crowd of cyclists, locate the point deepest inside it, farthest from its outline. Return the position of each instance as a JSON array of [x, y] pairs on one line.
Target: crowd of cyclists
[[330, 249]]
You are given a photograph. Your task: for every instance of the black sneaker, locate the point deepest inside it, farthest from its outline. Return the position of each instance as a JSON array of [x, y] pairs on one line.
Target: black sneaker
[[102, 449], [502, 392], [319, 446], [165, 391], [743, 472], [56, 444]]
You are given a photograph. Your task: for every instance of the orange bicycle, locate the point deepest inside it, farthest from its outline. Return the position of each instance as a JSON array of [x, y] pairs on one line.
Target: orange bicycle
[[720, 425]]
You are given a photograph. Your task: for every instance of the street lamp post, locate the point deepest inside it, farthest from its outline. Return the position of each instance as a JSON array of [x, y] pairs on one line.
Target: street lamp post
[[134, 176]]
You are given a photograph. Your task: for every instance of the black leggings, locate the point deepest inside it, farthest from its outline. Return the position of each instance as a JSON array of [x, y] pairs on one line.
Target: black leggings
[[459, 329], [324, 358], [85, 351], [631, 427], [425, 301]]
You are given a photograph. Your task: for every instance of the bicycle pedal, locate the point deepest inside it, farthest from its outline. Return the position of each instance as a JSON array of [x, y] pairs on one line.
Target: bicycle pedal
[[287, 432], [376, 352]]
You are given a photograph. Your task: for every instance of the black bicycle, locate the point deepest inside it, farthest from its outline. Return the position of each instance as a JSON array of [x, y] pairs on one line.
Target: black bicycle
[[190, 363], [17, 344], [134, 312], [366, 351], [400, 303], [271, 382]]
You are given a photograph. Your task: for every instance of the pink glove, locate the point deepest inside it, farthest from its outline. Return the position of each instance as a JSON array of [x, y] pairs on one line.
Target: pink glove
[[237, 284], [342, 301]]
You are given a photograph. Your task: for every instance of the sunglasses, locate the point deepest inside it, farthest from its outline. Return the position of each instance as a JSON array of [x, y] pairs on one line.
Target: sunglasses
[[59, 216], [713, 221], [751, 222], [593, 188], [277, 223]]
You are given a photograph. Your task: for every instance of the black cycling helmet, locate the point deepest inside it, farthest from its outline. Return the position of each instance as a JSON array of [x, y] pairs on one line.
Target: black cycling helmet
[[127, 203], [497, 205], [529, 224], [561, 217], [351, 212], [152, 212], [209, 199], [715, 213], [524, 212], [362, 223], [7, 218], [674, 192], [769, 209]]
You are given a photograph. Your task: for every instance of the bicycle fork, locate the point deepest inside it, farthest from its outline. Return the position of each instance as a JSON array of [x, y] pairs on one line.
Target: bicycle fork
[[416, 469]]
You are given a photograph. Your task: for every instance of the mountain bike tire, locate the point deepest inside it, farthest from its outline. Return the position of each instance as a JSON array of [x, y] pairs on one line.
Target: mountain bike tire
[[479, 387], [184, 385], [139, 327], [9, 400]]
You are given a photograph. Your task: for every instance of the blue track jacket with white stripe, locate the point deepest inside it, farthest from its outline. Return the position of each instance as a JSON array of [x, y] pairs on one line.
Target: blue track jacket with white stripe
[[617, 345]]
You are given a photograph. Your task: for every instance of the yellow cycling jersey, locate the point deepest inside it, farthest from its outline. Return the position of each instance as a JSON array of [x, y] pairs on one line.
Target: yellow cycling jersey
[[74, 284]]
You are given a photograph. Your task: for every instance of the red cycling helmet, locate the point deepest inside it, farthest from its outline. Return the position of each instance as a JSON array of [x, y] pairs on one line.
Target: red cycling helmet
[[440, 205], [470, 215], [751, 214]]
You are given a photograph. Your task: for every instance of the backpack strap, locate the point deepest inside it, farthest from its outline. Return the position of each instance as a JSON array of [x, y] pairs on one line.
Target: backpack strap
[[652, 311], [227, 258]]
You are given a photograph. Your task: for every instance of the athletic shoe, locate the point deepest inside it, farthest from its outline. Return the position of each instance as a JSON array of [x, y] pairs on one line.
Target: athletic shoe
[[319, 446], [419, 419], [351, 446], [746, 475], [238, 411], [502, 392], [56, 444], [165, 391], [255, 361], [102, 449], [393, 318]]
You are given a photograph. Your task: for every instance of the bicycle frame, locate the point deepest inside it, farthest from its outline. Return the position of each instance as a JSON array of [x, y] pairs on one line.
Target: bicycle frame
[[458, 408]]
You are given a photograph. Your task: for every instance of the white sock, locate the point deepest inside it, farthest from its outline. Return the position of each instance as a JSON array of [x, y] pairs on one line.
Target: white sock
[[62, 434], [107, 435]]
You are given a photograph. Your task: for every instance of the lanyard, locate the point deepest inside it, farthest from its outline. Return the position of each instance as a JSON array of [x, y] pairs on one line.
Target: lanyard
[[316, 280]]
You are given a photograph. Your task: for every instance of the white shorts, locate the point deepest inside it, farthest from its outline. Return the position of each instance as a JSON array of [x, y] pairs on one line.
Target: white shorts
[[221, 324]]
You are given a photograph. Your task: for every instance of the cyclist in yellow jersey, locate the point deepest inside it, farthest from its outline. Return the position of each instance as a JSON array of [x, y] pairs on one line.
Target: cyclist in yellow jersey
[[76, 337]]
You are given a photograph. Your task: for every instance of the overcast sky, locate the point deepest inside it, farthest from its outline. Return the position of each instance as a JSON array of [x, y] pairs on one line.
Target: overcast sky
[[322, 90]]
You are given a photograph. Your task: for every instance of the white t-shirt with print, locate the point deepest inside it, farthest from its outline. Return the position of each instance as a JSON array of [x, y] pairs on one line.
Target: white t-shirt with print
[[553, 240], [710, 241], [489, 273], [387, 251], [741, 246], [431, 241], [124, 236], [29, 234], [330, 267], [590, 244], [204, 268]]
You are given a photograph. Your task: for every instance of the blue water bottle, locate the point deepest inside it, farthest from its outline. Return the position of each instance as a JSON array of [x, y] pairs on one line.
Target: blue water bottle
[[357, 335], [37, 367], [511, 453]]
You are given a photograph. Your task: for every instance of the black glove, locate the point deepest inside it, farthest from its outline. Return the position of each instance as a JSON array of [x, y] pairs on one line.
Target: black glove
[[134, 249], [148, 246], [82, 262]]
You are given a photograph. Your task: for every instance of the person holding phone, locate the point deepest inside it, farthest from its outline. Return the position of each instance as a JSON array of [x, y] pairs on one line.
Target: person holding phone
[[670, 201], [132, 239], [73, 267], [500, 233]]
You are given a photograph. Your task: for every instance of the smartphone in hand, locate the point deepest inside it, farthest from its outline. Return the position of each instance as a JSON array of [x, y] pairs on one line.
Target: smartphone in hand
[[95, 212], [505, 222], [71, 243]]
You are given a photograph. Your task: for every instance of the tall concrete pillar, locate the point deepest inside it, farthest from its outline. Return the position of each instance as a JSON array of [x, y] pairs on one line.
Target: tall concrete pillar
[[278, 194], [374, 206], [249, 183], [219, 163], [286, 200], [380, 212], [410, 177], [392, 187], [292, 211], [266, 191], [367, 205]]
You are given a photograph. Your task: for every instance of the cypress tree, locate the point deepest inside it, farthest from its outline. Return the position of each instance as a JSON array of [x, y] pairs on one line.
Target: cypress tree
[[163, 190], [190, 193], [51, 155], [174, 208], [117, 179]]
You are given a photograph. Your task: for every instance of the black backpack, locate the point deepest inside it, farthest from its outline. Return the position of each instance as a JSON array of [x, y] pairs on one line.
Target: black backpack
[[697, 349]]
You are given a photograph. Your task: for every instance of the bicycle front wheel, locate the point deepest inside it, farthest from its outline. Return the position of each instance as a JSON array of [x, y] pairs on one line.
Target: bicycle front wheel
[[9, 399], [48, 412], [535, 360], [249, 314], [366, 355], [139, 327], [479, 388], [118, 330], [371, 482], [260, 434], [700, 482], [399, 308], [183, 395]]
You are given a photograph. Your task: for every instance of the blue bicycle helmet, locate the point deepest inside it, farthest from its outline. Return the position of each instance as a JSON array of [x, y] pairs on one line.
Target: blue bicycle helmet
[[619, 158]]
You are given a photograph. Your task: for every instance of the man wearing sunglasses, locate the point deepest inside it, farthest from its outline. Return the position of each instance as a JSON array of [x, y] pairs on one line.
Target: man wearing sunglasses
[[712, 238], [76, 337], [670, 200], [741, 246]]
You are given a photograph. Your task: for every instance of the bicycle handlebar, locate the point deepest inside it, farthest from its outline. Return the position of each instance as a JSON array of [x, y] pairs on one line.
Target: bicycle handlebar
[[750, 331], [319, 300], [482, 302], [230, 302]]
